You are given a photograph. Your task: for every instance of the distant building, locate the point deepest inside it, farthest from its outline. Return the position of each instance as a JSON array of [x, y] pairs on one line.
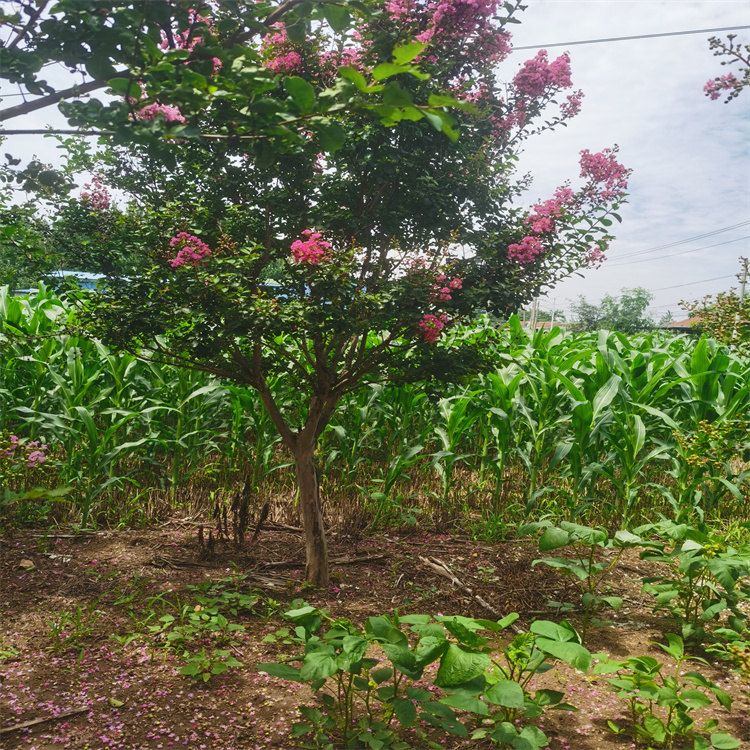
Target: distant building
[[689, 325], [85, 281]]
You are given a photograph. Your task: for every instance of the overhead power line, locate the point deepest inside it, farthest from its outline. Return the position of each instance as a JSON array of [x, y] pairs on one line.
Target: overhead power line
[[682, 252], [683, 242], [629, 38], [691, 283]]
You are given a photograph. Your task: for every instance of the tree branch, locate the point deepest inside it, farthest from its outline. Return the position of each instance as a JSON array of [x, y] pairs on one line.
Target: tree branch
[[71, 93]]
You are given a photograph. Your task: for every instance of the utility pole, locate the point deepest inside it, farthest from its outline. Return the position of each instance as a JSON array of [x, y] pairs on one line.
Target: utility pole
[[534, 313], [552, 319], [743, 281]]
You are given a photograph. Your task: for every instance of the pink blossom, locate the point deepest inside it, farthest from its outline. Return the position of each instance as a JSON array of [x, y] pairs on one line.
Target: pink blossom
[[192, 251], [312, 250], [537, 75], [35, 458], [288, 63], [608, 179], [526, 250], [431, 325], [714, 87], [96, 194], [572, 104], [595, 258], [150, 112]]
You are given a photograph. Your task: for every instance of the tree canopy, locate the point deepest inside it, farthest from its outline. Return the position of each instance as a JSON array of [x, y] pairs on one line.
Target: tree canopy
[[315, 202], [626, 313]]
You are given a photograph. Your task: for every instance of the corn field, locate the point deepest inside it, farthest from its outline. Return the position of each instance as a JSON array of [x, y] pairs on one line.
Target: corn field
[[602, 427]]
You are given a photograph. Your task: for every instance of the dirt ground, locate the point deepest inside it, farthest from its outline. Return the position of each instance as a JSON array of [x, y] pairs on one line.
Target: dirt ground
[[105, 693]]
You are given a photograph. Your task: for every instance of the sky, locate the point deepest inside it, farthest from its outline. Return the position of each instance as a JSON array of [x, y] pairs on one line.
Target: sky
[[690, 156]]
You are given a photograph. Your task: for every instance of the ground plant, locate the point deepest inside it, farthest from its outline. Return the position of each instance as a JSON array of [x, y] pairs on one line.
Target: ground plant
[[706, 579], [661, 703], [585, 568], [372, 681]]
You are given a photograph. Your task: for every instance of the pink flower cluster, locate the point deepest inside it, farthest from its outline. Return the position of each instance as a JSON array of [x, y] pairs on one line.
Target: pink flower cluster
[[543, 215], [312, 250], [526, 250], [572, 104], [96, 194], [281, 56], [595, 257], [715, 87], [456, 23], [537, 75], [150, 112], [443, 291], [35, 451], [192, 251], [431, 325], [184, 40], [608, 179]]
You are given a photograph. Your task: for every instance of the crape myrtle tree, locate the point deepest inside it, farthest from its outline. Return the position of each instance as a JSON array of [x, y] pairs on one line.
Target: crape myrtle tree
[[343, 252], [737, 55]]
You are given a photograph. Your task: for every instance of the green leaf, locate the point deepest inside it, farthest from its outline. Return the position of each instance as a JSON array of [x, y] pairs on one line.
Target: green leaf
[[337, 16], [395, 96], [330, 134], [386, 70], [302, 93], [723, 741], [553, 538], [407, 52], [460, 664], [405, 711], [353, 75], [381, 675], [572, 653], [465, 702], [317, 665], [284, 671], [507, 693]]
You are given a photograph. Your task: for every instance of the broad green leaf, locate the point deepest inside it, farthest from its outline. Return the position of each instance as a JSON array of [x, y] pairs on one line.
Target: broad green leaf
[[723, 741], [337, 16], [386, 70], [553, 538], [318, 664], [354, 76], [407, 52], [302, 93], [572, 653], [405, 711], [507, 693], [460, 664], [465, 702]]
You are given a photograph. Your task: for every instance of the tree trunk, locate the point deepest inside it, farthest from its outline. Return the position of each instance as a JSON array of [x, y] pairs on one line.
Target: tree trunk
[[316, 549]]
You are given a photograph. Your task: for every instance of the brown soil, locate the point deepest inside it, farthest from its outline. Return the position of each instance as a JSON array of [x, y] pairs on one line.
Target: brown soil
[[132, 696]]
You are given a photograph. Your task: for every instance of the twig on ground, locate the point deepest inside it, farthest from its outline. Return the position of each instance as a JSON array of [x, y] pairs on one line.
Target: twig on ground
[[441, 568], [34, 722]]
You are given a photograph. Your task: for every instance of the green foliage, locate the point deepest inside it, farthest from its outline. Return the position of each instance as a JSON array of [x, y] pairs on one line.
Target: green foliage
[[626, 313], [478, 675], [202, 666], [707, 579], [661, 704], [594, 558]]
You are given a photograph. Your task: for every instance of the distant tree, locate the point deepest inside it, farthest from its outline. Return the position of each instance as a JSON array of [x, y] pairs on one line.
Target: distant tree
[[544, 316], [716, 87], [626, 313], [725, 316]]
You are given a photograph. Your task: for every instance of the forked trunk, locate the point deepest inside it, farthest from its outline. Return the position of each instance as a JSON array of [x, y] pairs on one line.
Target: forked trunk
[[316, 548]]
